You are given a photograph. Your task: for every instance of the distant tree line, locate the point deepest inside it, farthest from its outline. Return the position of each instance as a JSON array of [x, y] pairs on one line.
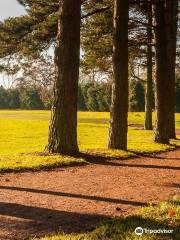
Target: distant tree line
[[20, 98], [92, 96]]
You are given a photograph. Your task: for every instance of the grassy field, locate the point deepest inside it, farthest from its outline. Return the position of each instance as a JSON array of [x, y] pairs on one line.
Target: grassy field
[[165, 215], [23, 136]]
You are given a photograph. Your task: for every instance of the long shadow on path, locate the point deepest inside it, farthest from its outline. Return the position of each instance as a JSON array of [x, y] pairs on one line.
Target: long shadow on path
[[40, 221], [27, 221], [73, 195], [44, 221]]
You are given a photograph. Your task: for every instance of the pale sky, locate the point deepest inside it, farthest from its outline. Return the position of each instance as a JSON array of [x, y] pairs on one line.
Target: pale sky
[[10, 8]]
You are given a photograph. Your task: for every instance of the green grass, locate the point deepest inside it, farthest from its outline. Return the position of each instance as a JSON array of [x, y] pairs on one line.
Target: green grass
[[166, 215], [24, 133]]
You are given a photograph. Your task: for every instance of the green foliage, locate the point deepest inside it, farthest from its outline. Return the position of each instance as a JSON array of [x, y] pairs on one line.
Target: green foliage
[[20, 98], [137, 98], [104, 96], [96, 40], [37, 28], [30, 98], [97, 96], [92, 102], [92, 96], [97, 32], [81, 101], [13, 99], [3, 98]]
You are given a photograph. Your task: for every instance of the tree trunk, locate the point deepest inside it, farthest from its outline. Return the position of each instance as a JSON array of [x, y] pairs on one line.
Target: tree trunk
[[149, 87], [63, 125], [171, 24], [162, 80], [119, 107]]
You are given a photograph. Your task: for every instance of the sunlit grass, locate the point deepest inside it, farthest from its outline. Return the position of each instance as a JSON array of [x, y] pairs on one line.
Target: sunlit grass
[[35, 161], [165, 215], [26, 132]]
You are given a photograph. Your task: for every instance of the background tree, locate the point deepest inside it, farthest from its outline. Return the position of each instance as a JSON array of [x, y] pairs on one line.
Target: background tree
[[81, 101], [30, 99], [3, 98], [14, 101], [136, 97]]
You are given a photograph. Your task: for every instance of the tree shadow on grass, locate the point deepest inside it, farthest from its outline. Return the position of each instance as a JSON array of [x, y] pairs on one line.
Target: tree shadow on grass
[[124, 228], [108, 161], [102, 157], [25, 221], [155, 154], [175, 202]]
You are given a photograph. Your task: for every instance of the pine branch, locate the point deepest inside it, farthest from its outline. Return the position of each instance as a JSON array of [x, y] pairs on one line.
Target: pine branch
[[98, 10]]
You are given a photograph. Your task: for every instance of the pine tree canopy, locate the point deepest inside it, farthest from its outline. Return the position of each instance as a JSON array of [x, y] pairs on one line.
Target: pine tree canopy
[[32, 33], [35, 32]]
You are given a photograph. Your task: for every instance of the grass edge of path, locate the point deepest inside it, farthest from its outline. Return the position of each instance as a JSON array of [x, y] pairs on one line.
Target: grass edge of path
[[164, 215], [54, 161]]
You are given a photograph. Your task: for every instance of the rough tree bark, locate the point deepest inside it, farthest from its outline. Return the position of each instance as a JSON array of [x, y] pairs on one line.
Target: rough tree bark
[[171, 30], [63, 125], [119, 107], [149, 85], [162, 81]]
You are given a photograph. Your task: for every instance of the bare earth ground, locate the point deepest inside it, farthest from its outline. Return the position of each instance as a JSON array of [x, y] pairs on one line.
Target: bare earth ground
[[75, 199]]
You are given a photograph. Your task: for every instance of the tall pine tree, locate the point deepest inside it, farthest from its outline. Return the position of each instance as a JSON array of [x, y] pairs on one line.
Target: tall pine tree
[[63, 125], [119, 108]]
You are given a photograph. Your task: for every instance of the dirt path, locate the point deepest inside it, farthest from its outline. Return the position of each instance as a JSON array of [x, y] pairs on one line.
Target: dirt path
[[74, 199]]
